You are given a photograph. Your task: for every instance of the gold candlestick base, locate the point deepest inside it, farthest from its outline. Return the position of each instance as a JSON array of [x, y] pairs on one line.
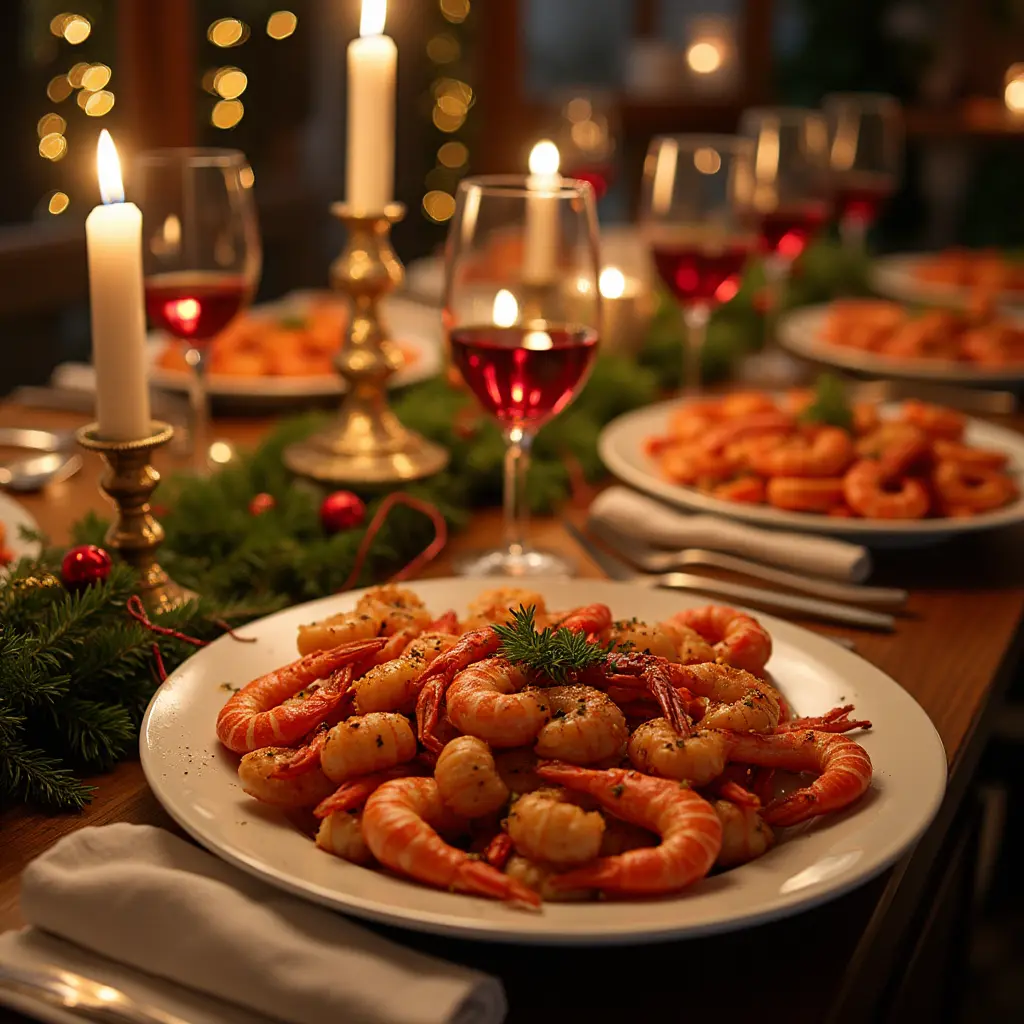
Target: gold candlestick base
[[366, 444], [135, 534]]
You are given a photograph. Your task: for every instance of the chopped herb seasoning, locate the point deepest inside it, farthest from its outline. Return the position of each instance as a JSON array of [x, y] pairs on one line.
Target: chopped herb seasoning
[[618, 790], [380, 741]]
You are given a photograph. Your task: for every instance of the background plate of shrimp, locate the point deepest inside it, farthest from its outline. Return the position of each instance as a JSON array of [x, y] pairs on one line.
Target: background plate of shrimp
[[905, 475], [879, 338], [649, 798]]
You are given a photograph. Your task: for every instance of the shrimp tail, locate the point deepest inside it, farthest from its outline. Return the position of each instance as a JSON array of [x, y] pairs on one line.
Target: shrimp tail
[[305, 759], [354, 793], [736, 794], [791, 810], [498, 850], [446, 623], [836, 720], [428, 713], [603, 873], [481, 879]]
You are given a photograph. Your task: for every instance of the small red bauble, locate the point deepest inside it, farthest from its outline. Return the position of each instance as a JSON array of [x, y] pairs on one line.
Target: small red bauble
[[85, 565], [341, 510], [261, 503]]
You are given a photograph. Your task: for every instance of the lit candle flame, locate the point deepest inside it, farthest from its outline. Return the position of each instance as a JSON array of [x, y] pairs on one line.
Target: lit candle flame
[[506, 310], [108, 168], [375, 13], [612, 283], [545, 158]]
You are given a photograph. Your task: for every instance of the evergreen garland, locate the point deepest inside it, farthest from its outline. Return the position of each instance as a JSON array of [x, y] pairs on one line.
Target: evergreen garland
[[77, 672]]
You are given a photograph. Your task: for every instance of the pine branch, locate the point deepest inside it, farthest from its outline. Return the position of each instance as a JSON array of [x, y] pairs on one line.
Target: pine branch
[[97, 734], [34, 776]]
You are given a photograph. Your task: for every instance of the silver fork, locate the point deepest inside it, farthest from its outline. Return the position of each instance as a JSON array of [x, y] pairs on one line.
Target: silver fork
[[655, 560]]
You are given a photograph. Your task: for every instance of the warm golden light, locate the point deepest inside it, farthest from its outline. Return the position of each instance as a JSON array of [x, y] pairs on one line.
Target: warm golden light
[[612, 283], [704, 58], [544, 158], [83, 98], [227, 32], [455, 11], [281, 24], [230, 83], [99, 103], [49, 124], [226, 113], [76, 29], [220, 451], [538, 341], [447, 122], [443, 48], [77, 73], [438, 205], [452, 154], [506, 310], [707, 160], [96, 77], [587, 135], [57, 23], [59, 88], [108, 169], [53, 146], [246, 177], [58, 202], [373, 18], [1014, 95], [579, 109]]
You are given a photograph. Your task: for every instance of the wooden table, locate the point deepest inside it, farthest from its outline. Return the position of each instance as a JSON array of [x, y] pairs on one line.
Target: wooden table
[[879, 953]]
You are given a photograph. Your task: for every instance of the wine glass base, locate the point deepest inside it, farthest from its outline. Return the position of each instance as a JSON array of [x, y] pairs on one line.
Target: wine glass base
[[530, 562]]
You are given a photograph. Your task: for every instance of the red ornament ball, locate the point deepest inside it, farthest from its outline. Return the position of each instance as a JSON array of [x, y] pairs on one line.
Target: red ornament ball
[[341, 510], [261, 503], [85, 565]]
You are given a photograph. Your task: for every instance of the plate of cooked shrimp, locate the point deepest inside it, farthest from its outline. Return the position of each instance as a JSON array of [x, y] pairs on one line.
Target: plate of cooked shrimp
[[582, 762], [892, 475], [955, 277], [886, 339]]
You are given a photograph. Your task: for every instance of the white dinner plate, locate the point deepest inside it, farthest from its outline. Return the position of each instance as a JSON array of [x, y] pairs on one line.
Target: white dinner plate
[[195, 780], [896, 276], [14, 516], [622, 448], [802, 332]]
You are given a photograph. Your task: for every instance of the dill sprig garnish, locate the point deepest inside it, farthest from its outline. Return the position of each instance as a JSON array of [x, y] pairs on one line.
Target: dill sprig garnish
[[557, 653]]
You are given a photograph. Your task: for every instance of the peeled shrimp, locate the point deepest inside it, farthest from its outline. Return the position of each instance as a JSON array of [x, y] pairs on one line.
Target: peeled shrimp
[[341, 833], [518, 770], [737, 699], [868, 494], [691, 834], [367, 743], [343, 628], [467, 778], [546, 826], [399, 825], [382, 611], [739, 640], [820, 451], [497, 605], [271, 709], [538, 877], [256, 773], [745, 833], [393, 685], [688, 646], [934, 420], [974, 487], [805, 494], [642, 638], [656, 749], [586, 726], [487, 700]]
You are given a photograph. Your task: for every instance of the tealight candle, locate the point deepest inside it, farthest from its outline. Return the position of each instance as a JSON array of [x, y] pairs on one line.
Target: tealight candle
[[113, 233], [541, 245], [622, 312]]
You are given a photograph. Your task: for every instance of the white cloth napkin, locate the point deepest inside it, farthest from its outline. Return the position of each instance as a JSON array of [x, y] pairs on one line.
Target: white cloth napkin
[[636, 515], [152, 902]]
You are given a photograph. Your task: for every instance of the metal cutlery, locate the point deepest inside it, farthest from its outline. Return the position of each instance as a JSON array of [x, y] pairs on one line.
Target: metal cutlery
[[651, 559], [90, 999], [969, 400], [816, 608], [35, 472]]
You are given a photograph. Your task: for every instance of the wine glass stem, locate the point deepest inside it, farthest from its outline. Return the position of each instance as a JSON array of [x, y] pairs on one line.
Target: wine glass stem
[[696, 319], [199, 406], [776, 275], [516, 503]]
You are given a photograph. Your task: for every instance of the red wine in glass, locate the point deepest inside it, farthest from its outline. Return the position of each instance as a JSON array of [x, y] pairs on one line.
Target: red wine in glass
[[859, 197], [697, 273], [787, 230], [600, 176], [194, 305], [523, 375]]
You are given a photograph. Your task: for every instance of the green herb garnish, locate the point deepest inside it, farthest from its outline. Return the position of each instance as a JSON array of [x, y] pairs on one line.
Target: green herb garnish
[[830, 405]]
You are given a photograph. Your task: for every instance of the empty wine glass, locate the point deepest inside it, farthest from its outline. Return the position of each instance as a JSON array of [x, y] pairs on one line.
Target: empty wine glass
[[695, 217], [522, 318], [866, 156], [201, 256]]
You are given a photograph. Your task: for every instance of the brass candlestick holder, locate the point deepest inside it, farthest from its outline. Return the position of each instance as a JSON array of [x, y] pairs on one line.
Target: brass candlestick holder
[[135, 534], [366, 444]]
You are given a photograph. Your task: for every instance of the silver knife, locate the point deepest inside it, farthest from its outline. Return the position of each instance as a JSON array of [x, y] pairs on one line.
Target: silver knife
[[829, 611]]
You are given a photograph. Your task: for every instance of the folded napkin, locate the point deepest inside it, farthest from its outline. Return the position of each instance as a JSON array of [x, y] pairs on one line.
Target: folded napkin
[[148, 900], [641, 517]]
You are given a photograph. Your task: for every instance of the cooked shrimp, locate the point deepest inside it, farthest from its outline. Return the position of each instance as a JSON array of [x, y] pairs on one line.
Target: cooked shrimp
[[872, 445], [365, 744], [973, 487], [804, 494], [746, 403], [518, 770], [256, 773], [655, 748], [546, 826], [399, 825], [842, 765], [383, 611], [467, 778], [867, 493], [488, 700], [691, 834], [815, 451], [354, 792], [737, 698], [272, 709], [739, 639], [342, 628], [641, 637], [747, 489], [689, 647], [586, 726], [964, 455], [620, 836], [393, 685], [341, 833], [745, 833], [690, 463], [498, 604], [756, 425], [865, 417], [538, 877], [934, 420]]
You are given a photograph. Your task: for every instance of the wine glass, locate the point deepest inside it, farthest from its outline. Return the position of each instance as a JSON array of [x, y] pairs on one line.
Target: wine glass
[[791, 203], [866, 155], [522, 323], [695, 217], [201, 256]]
